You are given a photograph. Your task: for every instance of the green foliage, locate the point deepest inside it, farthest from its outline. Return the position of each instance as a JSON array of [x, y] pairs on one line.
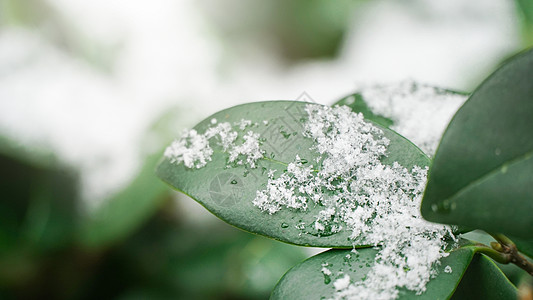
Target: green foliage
[[525, 14], [480, 177], [228, 192], [484, 280], [481, 174], [38, 216], [169, 259], [295, 283]]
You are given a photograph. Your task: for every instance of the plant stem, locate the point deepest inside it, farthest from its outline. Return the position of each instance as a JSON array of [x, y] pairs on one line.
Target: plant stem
[[506, 252]]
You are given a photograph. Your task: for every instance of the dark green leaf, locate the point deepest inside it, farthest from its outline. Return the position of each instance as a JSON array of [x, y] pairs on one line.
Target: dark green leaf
[[124, 212], [38, 204], [306, 281], [228, 192], [484, 280], [482, 173], [524, 245]]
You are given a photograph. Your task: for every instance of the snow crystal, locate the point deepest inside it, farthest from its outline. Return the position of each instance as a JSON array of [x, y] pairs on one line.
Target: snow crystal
[[194, 149], [378, 204], [325, 270], [342, 283], [243, 124], [419, 112], [448, 269], [250, 149]]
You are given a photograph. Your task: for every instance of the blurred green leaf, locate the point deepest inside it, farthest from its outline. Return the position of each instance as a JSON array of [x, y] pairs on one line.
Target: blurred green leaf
[[307, 281], [38, 217], [525, 13], [481, 175], [228, 192], [38, 208], [167, 259], [484, 280], [124, 212]]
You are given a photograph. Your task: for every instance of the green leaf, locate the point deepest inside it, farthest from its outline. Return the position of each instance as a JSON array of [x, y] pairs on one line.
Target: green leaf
[[307, 281], [228, 192], [524, 245], [525, 14], [482, 173], [484, 280], [124, 212]]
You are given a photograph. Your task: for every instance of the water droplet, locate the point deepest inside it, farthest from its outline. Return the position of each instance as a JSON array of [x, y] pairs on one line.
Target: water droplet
[[434, 207], [445, 206], [284, 225], [497, 151], [504, 169], [304, 161], [453, 206], [327, 279], [285, 134], [234, 181]]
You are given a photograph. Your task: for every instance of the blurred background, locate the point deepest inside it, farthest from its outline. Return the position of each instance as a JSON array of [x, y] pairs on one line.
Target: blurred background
[[92, 91]]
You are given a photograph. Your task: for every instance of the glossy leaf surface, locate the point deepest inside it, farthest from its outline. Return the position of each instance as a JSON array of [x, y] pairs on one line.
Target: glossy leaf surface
[[482, 173], [307, 281], [484, 280]]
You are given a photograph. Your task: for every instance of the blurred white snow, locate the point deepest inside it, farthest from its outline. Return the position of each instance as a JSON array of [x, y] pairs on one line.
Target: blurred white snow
[[164, 54]]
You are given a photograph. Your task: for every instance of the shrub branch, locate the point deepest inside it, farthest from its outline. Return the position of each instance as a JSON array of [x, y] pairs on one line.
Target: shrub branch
[[505, 251]]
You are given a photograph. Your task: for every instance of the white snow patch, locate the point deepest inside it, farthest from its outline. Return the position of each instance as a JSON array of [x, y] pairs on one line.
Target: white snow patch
[[419, 112], [194, 149], [342, 283]]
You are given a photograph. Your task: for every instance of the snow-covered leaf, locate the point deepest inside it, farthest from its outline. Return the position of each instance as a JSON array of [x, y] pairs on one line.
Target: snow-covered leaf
[[268, 168], [417, 111], [335, 274]]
